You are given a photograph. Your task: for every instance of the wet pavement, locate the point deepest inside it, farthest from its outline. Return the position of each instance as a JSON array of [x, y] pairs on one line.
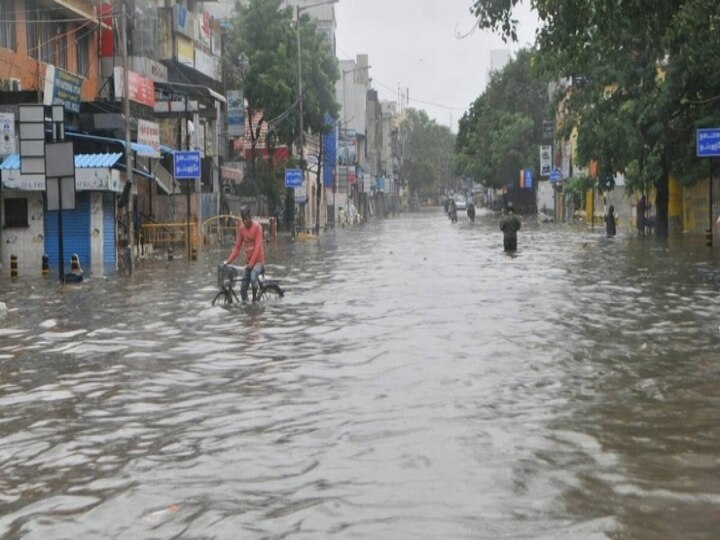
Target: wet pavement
[[415, 382]]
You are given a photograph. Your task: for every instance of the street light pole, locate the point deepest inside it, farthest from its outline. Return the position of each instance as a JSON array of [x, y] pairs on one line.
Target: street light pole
[[300, 93], [298, 10], [129, 211], [344, 122]]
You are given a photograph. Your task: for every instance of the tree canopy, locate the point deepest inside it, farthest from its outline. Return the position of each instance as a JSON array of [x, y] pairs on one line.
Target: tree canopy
[[642, 82], [426, 150], [261, 58], [501, 132]]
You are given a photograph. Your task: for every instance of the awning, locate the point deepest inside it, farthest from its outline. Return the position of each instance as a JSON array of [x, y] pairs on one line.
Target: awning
[[140, 149], [167, 150], [197, 91], [82, 161], [93, 172]]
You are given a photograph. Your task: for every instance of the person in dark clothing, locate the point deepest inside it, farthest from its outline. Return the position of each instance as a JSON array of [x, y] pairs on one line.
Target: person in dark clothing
[[610, 222], [452, 212], [471, 212], [510, 225], [640, 218]]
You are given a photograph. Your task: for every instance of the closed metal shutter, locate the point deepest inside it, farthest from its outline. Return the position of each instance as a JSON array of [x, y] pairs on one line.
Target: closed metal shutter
[[109, 252], [76, 233]]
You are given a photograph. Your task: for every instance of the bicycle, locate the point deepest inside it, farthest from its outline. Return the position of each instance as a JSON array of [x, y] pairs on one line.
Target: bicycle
[[229, 275]]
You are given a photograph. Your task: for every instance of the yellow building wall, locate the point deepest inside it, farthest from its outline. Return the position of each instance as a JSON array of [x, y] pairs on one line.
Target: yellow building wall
[[589, 206], [695, 206], [676, 213]]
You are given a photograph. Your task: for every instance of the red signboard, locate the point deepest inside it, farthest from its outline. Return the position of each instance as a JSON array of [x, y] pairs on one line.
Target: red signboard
[[106, 35], [142, 89]]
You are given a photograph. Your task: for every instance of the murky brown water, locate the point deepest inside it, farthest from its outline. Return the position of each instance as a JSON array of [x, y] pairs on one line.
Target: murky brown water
[[415, 382]]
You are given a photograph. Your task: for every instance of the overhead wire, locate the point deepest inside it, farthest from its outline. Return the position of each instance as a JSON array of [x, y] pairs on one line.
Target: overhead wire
[[449, 107]]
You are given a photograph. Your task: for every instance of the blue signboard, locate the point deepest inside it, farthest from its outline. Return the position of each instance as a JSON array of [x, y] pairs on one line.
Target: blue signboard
[[63, 88], [186, 165], [708, 142], [555, 176], [528, 183], [293, 178]]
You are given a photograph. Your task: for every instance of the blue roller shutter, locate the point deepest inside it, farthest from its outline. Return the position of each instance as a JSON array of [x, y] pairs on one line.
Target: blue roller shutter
[[76, 233], [109, 251]]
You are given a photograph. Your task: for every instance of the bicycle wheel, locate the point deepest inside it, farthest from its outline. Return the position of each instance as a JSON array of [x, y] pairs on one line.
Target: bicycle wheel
[[270, 292], [223, 298]]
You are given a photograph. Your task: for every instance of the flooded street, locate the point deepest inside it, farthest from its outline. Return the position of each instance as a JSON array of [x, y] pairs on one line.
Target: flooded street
[[415, 382]]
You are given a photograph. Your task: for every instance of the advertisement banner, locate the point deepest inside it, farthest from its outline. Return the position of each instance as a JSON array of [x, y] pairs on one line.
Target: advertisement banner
[[141, 89], [184, 21], [216, 46], [347, 149], [236, 113], [204, 28], [545, 160], [208, 65], [7, 134], [149, 134], [149, 68], [185, 51]]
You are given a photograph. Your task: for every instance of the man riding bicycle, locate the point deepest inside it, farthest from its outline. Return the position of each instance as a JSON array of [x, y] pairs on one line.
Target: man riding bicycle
[[249, 233]]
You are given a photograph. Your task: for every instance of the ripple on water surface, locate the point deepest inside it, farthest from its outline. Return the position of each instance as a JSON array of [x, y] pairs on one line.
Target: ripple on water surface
[[415, 382]]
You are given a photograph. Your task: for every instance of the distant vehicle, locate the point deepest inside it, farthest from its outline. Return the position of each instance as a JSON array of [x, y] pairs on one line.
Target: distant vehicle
[[460, 202]]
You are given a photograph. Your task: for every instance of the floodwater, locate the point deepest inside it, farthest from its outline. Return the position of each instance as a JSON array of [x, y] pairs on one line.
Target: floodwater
[[415, 382]]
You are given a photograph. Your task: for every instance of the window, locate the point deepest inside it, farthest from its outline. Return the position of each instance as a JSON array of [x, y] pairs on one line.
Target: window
[[50, 37], [32, 32], [53, 44], [82, 47], [16, 213], [7, 25]]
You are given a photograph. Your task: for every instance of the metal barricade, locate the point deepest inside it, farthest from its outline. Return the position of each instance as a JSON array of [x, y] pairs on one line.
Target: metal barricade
[[169, 234]]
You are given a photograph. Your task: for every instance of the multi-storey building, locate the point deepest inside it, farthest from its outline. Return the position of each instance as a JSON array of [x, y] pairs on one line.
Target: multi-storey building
[[48, 55], [70, 53]]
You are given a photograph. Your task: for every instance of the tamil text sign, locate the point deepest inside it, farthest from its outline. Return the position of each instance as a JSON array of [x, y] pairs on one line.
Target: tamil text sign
[[186, 165], [708, 142], [293, 178]]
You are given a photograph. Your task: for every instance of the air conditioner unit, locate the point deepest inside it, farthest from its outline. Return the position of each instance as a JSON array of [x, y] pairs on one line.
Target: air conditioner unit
[[15, 85]]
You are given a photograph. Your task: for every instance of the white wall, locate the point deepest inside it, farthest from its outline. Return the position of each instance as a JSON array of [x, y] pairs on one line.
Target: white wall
[[546, 198], [27, 243], [96, 233]]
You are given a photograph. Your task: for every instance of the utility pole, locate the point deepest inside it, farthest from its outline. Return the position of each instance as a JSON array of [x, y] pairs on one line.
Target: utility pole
[[128, 148], [298, 9], [300, 105]]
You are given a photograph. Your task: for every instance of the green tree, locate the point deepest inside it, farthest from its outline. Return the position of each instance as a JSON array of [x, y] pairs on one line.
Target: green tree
[[426, 150], [320, 71], [264, 34], [643, 81], [501, 133]]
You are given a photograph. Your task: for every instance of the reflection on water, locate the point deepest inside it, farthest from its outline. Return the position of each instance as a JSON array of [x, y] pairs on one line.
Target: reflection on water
[[415, 382]]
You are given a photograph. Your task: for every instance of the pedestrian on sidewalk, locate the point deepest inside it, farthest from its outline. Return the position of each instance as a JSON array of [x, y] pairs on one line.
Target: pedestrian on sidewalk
[[510, 225]]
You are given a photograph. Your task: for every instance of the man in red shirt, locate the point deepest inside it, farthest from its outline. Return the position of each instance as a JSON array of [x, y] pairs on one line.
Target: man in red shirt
[[249, 233]]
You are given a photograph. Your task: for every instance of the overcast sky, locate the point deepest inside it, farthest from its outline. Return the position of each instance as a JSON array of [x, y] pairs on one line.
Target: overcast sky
[[415, 44]]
